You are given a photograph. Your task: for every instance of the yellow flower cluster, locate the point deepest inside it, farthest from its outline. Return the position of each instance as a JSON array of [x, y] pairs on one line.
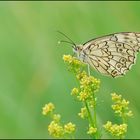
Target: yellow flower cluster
[[69, 128], [83, 96], [48, 108], [67, 58], [120, 106], [88, 86], [90, 83], [116, 97], [55, 128], [83, 114], [115, 129], [92, 130], [73, 63], [58, 131]]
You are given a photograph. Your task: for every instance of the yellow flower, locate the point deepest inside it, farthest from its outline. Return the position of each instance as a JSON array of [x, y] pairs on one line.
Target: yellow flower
[[89, 83], [117, 107], [125, 103], [116, 97], [55, 130], [56, 117], [67, 58], [69, 128], [120, 106], [72, 60], [85, 81], [83, 96], [81, 75], [83, 114], [107, 125], [75, 91], [92, 130], [115, 129], [73, 63], [48, 108]]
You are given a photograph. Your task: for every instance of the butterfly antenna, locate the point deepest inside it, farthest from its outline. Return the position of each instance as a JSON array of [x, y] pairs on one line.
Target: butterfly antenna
[[67, 38], [66, 42]]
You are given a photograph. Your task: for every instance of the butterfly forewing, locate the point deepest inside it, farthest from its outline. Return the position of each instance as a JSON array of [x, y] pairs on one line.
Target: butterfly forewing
[[113, 54]]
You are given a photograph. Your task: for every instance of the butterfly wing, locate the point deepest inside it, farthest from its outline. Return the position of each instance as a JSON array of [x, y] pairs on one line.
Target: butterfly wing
[[113, 54]]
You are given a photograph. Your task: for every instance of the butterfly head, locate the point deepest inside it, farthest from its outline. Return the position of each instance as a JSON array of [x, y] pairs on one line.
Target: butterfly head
[[77, 48]]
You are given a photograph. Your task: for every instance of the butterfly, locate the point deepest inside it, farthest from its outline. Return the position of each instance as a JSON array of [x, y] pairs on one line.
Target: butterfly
[[111, 55]]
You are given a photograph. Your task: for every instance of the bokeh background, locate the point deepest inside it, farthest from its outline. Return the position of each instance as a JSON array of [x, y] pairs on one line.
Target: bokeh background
[[33, 73]]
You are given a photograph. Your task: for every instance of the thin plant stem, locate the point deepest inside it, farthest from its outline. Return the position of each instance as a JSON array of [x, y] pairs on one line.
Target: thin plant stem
[[94, 117], [92, 121], [124, 121], [89, 114], [94, 108]]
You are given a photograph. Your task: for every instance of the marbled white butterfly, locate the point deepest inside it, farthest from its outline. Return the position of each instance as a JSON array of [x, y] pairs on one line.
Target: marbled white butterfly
[[111, 55]]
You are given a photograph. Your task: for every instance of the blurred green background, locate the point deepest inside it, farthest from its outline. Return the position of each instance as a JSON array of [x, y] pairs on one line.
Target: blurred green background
[[33, 73]]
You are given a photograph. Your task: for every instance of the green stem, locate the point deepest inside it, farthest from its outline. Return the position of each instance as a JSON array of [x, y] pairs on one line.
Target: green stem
[[94, 108], [92, 121], [124, 121], [89, 114], [95, 120]]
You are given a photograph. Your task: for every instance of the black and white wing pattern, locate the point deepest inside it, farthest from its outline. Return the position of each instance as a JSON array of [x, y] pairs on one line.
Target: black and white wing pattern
[[113, 54]]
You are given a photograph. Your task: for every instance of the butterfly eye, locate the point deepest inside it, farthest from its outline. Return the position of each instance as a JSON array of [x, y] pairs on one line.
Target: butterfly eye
[[79, 49], [76, 48]]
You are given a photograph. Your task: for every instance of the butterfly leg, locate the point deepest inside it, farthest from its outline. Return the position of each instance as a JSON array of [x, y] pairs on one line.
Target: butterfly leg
[[88, 69]]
